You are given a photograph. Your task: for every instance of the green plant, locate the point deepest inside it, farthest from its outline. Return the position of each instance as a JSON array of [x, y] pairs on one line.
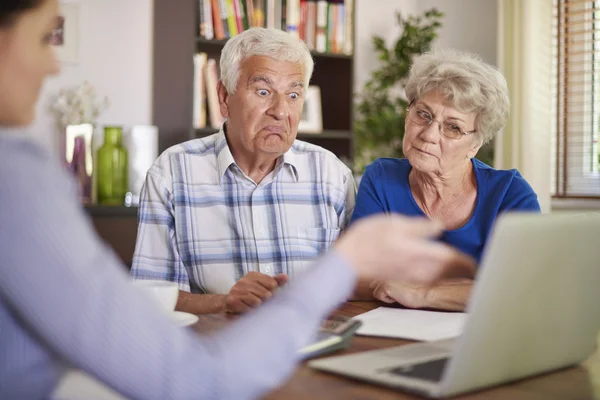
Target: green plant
[[379, 124]]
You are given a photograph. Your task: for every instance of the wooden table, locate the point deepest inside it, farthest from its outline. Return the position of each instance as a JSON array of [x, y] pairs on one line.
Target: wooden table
[[582, 382]]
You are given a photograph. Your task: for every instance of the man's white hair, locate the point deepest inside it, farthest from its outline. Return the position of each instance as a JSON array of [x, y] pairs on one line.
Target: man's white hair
[[467, 82], [273, 43]]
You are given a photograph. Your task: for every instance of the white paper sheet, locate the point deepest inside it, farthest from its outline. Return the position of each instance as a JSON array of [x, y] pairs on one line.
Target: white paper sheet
[[411, 324]]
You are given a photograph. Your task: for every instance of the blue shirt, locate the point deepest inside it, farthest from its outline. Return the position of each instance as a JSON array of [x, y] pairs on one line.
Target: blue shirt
[[66, 301], [204, 224], [384, 188]]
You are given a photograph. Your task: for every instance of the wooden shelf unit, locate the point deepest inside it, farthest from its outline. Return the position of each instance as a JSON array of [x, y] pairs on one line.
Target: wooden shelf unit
[[176, 41]]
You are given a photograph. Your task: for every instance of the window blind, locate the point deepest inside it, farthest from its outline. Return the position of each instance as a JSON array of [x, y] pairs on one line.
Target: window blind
[[576, 156]]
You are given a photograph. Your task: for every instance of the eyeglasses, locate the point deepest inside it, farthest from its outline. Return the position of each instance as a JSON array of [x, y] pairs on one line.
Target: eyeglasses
[[447, 129]]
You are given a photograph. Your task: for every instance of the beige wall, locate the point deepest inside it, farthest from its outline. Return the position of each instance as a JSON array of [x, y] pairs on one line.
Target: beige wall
[[115, 55], [469, 25]]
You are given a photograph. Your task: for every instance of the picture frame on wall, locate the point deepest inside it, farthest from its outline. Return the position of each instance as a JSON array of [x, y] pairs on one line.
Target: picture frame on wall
[[311, 120], [65, 38]]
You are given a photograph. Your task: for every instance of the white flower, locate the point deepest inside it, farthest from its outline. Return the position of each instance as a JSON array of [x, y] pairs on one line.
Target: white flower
[[78, 105]]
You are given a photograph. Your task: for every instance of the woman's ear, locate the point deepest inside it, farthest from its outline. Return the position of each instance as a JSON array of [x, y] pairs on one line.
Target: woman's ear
[[475, 146]]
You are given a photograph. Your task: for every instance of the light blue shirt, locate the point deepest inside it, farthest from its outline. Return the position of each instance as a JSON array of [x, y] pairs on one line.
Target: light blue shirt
[[65, 300], [204, 224]]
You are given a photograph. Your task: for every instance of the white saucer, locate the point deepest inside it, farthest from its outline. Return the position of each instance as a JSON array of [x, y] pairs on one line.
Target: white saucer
[[184, 319]]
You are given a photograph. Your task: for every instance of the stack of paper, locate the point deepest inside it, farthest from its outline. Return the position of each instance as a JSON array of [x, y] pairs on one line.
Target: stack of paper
[[411, 324]]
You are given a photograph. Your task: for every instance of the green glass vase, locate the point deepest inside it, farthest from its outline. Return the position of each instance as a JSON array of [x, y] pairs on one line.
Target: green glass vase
[[111, 169]]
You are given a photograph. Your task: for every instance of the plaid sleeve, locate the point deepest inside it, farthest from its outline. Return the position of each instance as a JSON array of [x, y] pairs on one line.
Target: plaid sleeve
[[156, 255], [350, 184]]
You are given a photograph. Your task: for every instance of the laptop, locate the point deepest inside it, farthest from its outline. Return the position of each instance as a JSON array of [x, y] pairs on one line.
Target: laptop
[[534, 309]]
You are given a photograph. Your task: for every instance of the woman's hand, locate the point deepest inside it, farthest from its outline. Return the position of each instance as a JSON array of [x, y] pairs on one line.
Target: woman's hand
[[447, 295], [408, 295]]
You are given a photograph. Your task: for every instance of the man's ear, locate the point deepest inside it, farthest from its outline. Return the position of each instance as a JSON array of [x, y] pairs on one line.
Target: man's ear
[[223, 99]]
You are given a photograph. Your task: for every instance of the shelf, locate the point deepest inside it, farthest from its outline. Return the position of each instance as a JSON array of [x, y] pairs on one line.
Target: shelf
[[100, 211], [326, 134], [220, 43]]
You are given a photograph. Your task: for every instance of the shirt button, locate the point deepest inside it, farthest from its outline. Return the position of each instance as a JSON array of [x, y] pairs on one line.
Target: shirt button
[[262, 230], [267, 270]]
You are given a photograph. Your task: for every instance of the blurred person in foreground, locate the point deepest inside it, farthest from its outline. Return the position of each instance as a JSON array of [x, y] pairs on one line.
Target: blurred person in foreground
[[66, 301], [457, 103]]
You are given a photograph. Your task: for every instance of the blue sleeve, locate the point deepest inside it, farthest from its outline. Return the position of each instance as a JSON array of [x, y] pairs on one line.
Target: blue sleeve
[[368, 199], [520, 196]]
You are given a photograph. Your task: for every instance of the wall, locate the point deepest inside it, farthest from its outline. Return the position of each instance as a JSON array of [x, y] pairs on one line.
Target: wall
[[469, 25], [116, 50], [115, 55], [370, 21]]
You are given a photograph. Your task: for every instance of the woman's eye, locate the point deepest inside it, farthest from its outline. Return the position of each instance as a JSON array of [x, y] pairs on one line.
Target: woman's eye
[[424, 115], [48, 38], [453, 128]]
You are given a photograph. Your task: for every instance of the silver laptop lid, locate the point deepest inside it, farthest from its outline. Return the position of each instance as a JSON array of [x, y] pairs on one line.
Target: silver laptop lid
[[535, 304]]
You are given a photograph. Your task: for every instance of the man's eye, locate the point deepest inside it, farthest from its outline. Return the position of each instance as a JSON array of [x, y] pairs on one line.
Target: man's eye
[[294, 96], [262, 92]]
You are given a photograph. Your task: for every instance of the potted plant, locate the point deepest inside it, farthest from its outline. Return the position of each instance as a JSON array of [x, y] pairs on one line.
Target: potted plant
[[379, 124]]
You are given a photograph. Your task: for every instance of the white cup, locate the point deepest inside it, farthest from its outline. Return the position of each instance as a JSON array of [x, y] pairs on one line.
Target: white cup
[[165, 293]]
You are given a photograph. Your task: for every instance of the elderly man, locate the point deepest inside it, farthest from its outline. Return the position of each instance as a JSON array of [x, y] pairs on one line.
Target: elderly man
[[230, 217]]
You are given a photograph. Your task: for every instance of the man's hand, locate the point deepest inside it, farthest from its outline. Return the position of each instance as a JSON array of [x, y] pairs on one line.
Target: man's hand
[[252, 290], [392, 247]]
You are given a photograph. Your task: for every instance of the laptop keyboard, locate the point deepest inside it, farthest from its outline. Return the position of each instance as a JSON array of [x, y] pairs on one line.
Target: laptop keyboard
[[417, 351], [429, 371]]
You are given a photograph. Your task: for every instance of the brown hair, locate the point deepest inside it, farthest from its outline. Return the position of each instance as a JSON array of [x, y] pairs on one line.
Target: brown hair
[[11, 9]]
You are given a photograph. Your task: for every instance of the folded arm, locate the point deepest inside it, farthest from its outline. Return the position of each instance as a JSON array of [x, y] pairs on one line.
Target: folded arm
[[200, 303], [448, 295]]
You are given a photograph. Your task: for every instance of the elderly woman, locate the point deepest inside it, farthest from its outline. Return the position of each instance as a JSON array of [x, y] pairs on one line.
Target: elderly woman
[[457, 103]]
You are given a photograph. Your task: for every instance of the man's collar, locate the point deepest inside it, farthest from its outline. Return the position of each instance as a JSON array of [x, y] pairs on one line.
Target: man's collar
[[223, 153], [289, 160], [225, 157]]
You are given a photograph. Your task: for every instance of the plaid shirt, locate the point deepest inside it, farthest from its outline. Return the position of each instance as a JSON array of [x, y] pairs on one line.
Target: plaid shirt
[[204, 224]]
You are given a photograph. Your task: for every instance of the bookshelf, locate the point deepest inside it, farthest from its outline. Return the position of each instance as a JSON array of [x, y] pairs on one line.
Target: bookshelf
[[177, 39], [175, 42]]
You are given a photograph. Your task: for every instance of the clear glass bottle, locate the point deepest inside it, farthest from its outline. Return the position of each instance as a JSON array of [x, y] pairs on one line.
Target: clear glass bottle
[[112, 168]]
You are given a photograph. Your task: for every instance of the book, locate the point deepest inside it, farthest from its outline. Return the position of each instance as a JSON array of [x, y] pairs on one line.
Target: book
[[231, 19], [224, 20], [349, 26], [321, 27], [219, 30], [206, 19], [199, 102], [293, 17], [212, 96]]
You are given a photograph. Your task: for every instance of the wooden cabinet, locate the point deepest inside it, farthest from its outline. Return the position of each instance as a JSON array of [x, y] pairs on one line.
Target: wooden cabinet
[[117, 226]]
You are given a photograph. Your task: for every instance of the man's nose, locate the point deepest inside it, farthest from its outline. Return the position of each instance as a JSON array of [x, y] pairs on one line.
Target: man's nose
[[278, 108]]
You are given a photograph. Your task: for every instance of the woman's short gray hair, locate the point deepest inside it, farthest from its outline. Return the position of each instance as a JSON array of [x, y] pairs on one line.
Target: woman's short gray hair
[[467, 82], [272, 43]]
